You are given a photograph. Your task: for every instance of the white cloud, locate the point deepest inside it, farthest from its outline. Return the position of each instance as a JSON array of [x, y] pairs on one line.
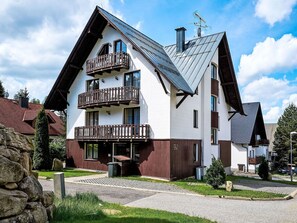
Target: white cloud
[[272, 115], [138, 25], [291, 100], [273, 11], [268, 57]]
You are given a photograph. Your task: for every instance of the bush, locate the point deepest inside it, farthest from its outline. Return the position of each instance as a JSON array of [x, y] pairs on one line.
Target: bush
[[215, 174], [263, 170], [58, 148]]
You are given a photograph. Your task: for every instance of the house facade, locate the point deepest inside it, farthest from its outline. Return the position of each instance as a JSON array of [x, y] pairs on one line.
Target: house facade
[[163, 110], [249, 140]]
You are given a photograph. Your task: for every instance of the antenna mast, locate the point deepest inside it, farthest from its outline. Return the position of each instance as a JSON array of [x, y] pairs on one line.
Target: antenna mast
[[200, 23]]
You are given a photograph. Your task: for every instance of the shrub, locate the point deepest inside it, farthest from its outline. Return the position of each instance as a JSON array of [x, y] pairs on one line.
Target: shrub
[[263, 170], [58, 148], [215, 174]]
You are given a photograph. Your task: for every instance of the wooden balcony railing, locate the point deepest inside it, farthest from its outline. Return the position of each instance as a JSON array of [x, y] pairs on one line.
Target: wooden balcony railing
[[256, 160], [107, 62], [108, 96], [262, 142], [112, 132]]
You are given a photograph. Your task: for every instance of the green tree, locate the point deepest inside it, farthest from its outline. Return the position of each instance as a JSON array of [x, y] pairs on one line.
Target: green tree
[[286, 123], [21, 93], [215, 174], [41, 156], [35, 101], [263, 170], [2, 90]]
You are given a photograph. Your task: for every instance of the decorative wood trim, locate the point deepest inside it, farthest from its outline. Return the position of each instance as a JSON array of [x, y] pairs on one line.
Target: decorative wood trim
[[181, 101], [75, 67], [160, 78], [63, 97]]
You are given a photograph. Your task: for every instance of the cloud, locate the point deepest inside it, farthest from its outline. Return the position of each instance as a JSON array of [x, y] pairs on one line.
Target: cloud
[[272, 115], [138, 25], [268, 57], [273, 11]]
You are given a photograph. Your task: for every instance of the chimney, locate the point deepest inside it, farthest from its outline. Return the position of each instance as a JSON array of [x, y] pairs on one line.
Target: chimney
[[180, 39], [24, 102]]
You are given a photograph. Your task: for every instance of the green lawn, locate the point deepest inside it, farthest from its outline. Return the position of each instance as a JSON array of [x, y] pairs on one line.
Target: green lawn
[[68, 172], [88, 208]]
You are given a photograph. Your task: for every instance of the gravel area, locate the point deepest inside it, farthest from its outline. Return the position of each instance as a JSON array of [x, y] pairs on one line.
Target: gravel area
[[134, 184]]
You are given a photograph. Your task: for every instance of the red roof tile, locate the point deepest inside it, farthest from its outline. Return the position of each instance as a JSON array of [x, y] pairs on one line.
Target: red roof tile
[[23, 119]]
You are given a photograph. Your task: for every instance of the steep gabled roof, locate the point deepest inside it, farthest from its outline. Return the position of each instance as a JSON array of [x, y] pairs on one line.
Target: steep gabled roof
[[12, 115], [151, 50], [244, 128]]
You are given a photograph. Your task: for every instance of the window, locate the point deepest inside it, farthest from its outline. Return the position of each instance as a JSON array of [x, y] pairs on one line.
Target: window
[[132, 116], [132, 79], [196, 152], [214, 71], [92, 118], [214, 139], [91, 150], [104, 49], [213, 103], [120, 46], [92, 85], [195, 119]]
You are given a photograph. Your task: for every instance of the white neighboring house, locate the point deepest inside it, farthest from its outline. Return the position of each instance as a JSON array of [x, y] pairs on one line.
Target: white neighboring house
[[249, 141], [159, 111]]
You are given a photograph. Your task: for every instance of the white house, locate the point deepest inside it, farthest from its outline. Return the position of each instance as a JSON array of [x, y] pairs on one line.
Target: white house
[[249, 141], [160, 111]]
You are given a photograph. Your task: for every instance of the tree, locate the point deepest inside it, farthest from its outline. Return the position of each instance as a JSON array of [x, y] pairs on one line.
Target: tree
[[35, 101], [286, 123], [21, 93], [41, 156], [2, 90], [263, 170], [215, 174]]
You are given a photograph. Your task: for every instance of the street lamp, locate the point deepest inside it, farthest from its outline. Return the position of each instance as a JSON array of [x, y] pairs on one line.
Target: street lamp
[[291, 147]]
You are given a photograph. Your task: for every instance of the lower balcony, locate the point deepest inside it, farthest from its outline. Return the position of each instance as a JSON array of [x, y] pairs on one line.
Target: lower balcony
[[124, 132], [255, 160], [108, 97]]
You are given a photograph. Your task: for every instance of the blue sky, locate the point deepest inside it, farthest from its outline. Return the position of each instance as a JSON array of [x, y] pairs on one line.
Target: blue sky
[[37, 36]]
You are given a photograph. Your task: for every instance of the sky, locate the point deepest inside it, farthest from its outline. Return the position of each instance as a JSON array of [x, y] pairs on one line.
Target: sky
[[37, 36]]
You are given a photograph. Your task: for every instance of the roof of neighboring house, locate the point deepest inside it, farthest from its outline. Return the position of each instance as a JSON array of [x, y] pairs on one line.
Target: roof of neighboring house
[[244, 128], [161, 58], [270, 129], [23, 119]]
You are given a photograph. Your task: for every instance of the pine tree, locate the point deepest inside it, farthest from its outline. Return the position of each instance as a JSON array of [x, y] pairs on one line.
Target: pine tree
[[41, 156], [2, 90], [263, 170], [286, 123], [21, 93], [215, 174]]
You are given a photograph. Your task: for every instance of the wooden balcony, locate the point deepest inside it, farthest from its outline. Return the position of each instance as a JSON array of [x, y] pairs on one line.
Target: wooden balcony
[[214, 119], [108, 97], [262, 142], [113, 133], [107, 63], [256, 160]]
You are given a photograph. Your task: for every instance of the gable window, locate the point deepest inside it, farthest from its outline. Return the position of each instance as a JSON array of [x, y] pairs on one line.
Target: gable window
[[120, 46], [92, 118], [214, 138], [214, 71], [104, 50], [92, 85], [213, 101], [132, 79], [91, 150], [195, 118]]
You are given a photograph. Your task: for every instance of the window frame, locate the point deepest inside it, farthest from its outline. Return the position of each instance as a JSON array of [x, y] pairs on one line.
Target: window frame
[[213, 104], [88, 117], [121, 46], [94, 155], [196, 152], [214, 136], [195, 119], [88, 83], [214, 75], [103, 48], [132, 79]]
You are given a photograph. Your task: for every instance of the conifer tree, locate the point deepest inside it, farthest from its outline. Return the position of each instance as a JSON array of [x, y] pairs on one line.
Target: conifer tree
[[2, 90], [286, 123], [41, 156], [215, 174]]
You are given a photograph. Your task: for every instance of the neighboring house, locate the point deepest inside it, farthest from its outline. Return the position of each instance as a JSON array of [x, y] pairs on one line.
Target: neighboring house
[[21, 116], [129, 98], [270, 130], [249, 141]]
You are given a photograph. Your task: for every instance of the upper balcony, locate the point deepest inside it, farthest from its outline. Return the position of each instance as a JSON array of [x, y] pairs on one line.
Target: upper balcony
[[107, 63], [126, 132], [108, 97], [255, 160]]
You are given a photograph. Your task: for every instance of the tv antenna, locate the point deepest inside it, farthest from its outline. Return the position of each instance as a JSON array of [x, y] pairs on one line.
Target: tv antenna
[[200, 24]]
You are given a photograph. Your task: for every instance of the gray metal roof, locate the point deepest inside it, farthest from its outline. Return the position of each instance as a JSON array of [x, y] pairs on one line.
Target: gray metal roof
[[150, 49], [242, 127], [193, 61]]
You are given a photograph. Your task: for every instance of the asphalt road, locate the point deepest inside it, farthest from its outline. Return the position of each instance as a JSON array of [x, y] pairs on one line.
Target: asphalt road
[[220, 210]]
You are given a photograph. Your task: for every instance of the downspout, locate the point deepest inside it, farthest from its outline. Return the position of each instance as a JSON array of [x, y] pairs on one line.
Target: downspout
[[247, 157]]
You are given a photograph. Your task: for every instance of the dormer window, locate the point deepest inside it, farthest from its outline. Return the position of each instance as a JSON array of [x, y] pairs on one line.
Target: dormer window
[[120, 46], [214, 71], [104, 50]]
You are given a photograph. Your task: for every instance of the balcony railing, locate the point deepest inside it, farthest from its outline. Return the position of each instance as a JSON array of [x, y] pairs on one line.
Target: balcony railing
[[255, 160], [112, 132], [108, 96], [262, 142], [107, 62]]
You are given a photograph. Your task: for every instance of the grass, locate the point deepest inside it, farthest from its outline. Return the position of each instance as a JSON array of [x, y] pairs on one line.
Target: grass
[[88, 207], [68, 172]]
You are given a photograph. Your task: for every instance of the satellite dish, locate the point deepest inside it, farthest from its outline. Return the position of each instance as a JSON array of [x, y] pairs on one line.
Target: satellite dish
[[201, 23]]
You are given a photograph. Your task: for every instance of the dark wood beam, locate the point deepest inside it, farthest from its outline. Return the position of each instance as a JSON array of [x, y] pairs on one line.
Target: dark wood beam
[[181, 94], [163, 85], [63, 97], [99, 36], [75, 67], [181, 101], [227, 83]]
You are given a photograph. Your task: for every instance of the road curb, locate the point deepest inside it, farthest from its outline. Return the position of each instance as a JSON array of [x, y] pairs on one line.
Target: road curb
[[291, 195]]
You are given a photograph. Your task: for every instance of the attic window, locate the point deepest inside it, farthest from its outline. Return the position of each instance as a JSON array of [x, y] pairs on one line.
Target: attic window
[[120, 46], [104, 50], [50, 119], [214, 71]]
